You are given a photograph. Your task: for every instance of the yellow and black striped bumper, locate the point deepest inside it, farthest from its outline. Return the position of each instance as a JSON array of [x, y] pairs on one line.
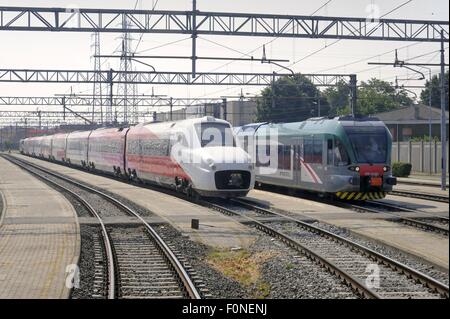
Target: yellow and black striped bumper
[[360, 195]]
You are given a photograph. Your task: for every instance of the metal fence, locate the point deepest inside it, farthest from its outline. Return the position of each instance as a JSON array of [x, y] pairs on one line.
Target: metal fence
[[425, 157]]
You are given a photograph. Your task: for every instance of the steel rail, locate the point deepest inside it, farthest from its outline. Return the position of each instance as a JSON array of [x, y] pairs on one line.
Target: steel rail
[[432, 197], [424, 279], [405, 220], [348, 279], [183, 275], [108, 247], [411, 210]]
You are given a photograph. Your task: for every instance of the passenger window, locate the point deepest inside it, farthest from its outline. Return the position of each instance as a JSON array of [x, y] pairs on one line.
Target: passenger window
[[313, 150], [284, 157]]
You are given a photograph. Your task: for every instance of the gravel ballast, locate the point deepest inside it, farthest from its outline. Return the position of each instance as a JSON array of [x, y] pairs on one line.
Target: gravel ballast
[[390, 252], [287, 274], [86, 264]]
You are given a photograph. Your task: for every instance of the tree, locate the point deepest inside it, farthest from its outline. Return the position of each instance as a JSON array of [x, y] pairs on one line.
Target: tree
[[376, 96], [434, 87], [338, 98], [293, 99]]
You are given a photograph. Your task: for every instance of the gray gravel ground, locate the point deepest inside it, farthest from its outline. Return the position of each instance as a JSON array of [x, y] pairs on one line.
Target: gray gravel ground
[[392, 284], [217, 284], [286, 275], [86, 263], [293, 276], [434, 221], [389, 252]]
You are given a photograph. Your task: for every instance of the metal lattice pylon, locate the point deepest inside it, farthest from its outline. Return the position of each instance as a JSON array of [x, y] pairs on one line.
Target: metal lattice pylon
[[97, 100], [127, 90]]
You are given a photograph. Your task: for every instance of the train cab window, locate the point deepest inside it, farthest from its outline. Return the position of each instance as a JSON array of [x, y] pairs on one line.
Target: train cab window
[[181, 139], [246, 143], [369, 144], [340, 154], [215, 134]]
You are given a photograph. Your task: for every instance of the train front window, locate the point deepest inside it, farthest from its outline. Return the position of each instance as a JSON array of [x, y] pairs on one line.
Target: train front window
[[369, 144], [215, 135]]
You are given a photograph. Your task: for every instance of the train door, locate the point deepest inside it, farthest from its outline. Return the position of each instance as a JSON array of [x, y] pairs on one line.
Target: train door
[[297, 160]]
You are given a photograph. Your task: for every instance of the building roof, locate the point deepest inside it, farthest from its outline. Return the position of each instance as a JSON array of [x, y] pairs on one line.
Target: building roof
[[414, 114]]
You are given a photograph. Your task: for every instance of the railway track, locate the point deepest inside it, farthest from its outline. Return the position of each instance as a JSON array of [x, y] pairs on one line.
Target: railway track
[[139, 263], [377, 207], [444, 219], [431, 197], [346, 259], [387, 209], [427, 287]]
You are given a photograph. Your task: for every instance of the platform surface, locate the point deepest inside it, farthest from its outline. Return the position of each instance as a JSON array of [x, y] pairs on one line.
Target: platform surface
[[39, 237], [425, 245], [425, 180], [216, 230]]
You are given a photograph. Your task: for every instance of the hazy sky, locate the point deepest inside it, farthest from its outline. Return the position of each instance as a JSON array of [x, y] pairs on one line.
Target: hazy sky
[[72, 50]]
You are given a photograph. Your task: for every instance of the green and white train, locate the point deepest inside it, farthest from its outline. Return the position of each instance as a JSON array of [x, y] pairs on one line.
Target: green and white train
[[344, 157]]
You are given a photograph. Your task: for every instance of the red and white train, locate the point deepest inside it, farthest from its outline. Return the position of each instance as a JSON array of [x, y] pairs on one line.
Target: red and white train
[[197, 156]]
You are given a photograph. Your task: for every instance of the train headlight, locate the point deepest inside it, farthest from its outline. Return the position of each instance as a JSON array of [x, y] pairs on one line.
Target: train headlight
[[354, 168], [386, 169], [357, 169]]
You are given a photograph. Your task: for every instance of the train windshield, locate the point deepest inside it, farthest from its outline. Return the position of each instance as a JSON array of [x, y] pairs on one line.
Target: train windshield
[[215, 134], [369, 144]]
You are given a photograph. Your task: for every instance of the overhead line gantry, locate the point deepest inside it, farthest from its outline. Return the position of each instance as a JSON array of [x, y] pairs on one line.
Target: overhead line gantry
[[219, 23]]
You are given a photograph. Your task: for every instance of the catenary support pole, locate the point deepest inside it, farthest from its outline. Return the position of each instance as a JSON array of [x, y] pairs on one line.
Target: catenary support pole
[[443, 117]]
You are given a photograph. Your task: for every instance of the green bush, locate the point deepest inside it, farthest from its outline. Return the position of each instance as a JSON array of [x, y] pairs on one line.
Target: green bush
[[400, 169]]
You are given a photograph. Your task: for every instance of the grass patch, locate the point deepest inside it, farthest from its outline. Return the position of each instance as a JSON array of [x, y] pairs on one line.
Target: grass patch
[[290, 266], [262, 291], [243, 267]]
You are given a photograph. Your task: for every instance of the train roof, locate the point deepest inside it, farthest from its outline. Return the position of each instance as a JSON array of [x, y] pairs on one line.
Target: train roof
[[322, 125], [205, 119]]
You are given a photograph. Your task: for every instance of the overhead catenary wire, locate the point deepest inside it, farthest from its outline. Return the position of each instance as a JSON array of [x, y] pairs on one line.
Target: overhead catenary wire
[[254, 50], [319, 50], [339, 40]]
